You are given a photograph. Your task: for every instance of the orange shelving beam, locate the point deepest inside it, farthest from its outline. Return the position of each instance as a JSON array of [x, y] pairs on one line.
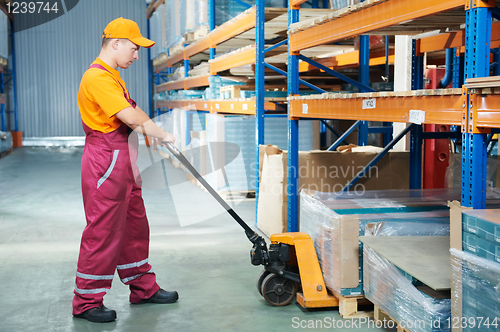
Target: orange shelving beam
[[190, 82], [443, 109], [245, 57], [451, 40], [377, 17], [244, 107]]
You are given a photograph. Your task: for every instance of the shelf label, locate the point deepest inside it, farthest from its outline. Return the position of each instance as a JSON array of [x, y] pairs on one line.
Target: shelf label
[[305, 108], [417, 116], [369, 104], [216, 106], [245, 107], [232, 106], [206, 106]]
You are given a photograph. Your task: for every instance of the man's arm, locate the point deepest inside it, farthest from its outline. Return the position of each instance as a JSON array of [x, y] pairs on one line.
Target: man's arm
[[139, 122]]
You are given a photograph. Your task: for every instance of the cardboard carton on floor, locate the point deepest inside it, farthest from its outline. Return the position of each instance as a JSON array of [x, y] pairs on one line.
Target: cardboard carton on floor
[[324, 171]]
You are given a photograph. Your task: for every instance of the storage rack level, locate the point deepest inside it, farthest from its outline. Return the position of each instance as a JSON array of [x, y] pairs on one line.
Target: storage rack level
[[475, 110], [251, 28]]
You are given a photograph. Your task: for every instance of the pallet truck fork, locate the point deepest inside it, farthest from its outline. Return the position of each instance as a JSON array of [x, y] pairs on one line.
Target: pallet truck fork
[[291, 267]]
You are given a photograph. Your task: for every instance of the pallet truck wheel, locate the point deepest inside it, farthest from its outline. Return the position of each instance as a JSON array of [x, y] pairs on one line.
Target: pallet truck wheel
[[278, 290], [261, 278]]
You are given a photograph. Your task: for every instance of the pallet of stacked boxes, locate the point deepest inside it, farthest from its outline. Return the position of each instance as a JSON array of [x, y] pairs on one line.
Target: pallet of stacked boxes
[[327, 171], [409, 304], [334, 226], [476, 270], [475, 293]]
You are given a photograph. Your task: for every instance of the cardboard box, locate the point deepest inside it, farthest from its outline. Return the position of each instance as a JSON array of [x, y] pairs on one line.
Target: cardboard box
[[324, 171]]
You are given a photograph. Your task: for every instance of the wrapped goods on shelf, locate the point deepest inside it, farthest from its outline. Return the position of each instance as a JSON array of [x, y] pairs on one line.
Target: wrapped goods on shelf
[[481, 233], [454, 171], [475, 285], [173, 21], [189, 11], [239, 133], [4, 36], [335, 234], [228, 9], [412, 306], [202, 12], [339, 4], [202, 69], [158, 32], [175, 123]]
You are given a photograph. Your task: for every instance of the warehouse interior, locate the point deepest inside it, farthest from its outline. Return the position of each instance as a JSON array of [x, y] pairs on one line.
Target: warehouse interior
[[310, 165]]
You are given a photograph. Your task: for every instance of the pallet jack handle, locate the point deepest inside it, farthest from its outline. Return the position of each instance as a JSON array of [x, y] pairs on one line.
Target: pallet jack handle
[[256, 239]]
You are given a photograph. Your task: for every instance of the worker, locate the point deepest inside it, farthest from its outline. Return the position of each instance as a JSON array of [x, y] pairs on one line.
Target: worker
[[116, 236]]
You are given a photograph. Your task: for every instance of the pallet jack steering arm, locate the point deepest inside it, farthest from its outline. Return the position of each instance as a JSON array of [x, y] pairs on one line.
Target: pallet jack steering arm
[[259, 254]]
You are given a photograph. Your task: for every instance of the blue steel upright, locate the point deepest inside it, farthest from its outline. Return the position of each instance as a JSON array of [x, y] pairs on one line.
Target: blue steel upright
[[477, 64], [212, 23], [417, 83], [364, 78], [14, 76], [150, 74], [293, 136], [259, 88], [2, 106], [416, 157]]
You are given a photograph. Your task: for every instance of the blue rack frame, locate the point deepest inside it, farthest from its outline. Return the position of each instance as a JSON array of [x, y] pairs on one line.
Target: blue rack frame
[[475, 64], [12, 80]]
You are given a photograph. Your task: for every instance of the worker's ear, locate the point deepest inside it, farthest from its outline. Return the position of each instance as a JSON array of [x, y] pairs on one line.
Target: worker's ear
[[115, 43]]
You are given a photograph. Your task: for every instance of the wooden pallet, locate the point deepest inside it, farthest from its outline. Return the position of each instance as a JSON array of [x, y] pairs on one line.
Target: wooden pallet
[[348, 306], [6, 152], [379, 316]]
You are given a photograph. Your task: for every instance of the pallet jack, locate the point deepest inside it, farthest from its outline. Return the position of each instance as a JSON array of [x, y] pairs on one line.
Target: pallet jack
[[291, 266]]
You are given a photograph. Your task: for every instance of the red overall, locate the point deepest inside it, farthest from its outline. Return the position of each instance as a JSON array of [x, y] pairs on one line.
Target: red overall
[[117, 231]]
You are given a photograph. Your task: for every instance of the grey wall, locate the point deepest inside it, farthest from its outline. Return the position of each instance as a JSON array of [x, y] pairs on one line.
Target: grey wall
[[51, 59]]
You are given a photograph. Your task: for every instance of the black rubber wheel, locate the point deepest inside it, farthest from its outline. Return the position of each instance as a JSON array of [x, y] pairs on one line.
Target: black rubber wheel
[[261, 278], [277, 290]]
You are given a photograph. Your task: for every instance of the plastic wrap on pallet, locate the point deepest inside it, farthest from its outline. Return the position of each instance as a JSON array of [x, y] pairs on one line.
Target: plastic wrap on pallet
[[202, 10], [404, 199], [190, 13], [475, 284], [4, 35], [453, 177], [389, 289], [228, 9], [339, 4], [240, 132], [335, 235], [173, 21]]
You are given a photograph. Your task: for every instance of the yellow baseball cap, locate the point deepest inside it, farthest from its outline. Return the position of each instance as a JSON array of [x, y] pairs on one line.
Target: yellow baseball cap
[[126, 29]]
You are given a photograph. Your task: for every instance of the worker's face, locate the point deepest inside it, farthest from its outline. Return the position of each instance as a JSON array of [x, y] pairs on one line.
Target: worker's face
[[128, 52]]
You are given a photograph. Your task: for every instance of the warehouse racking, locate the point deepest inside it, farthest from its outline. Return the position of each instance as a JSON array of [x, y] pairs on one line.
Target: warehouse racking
[[471, 108], [263, 32], [475, 109], [8, 77]]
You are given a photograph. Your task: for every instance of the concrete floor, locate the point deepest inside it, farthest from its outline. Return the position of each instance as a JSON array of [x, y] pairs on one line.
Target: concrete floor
[[41, 220]]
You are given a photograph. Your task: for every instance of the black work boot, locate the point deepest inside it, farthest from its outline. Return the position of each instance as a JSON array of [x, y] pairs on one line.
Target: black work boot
[[161, 296], [99, 314]]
